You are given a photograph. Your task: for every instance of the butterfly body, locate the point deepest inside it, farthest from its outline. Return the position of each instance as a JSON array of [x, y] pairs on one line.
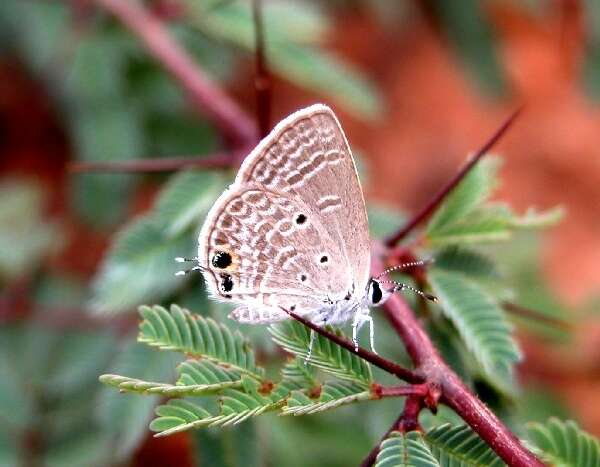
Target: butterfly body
[[291, 232]]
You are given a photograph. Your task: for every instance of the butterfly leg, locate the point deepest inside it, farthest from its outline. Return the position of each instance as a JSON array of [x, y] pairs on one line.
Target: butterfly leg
[[319, 320], [356, 323], [371, 332]]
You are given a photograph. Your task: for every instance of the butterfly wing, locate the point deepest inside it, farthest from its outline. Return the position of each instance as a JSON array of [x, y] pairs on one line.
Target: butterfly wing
[[293, 227]]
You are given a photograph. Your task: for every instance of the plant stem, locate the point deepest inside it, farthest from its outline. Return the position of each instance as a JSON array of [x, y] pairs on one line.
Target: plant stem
[[262, 79], [214, 161], [430, 366], [430, 207], [380, 362], [206, 97], [535, 315], [400, 391], [372, 456]]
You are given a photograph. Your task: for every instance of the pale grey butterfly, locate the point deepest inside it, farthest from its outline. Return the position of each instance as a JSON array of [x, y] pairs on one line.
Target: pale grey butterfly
[[291, 232]]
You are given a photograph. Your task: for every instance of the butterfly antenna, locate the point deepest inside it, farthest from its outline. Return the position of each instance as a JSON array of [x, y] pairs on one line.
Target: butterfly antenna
[[181, 259], [398, 287], [423, 262]]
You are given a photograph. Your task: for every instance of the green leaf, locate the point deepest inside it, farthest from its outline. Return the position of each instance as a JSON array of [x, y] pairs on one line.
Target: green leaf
[[466, 261], [307, 66], [236, 406], [196, 378], [591, 60], [282, 19], [295, 338], [25, 237], [459, 446], [197, 336], [468, 30], [532, 219], [405, 450], [333, 395], [140, 266], [37, 30], [179, 415], [473, 190], [564, 444], [126, 416], [327, 74], [490, 223], [481, 324], [384, 220], [186, 199]]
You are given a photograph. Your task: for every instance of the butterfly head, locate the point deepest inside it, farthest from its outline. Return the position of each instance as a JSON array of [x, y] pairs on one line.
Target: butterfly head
[[377, 294]]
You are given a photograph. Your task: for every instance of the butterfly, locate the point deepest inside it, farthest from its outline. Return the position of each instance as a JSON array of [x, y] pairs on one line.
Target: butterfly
[[291, 232]]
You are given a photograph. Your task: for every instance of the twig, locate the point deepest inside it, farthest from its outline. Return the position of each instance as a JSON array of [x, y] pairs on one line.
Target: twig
[[430, 365], [535, 315], [215, 161], [380, 362], [400, 391], [407, 421], [262, 79], [432, 205], [207, 98], [372, 456]]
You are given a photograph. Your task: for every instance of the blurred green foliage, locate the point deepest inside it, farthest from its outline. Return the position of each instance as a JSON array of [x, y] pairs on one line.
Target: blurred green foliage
[[116, 103]]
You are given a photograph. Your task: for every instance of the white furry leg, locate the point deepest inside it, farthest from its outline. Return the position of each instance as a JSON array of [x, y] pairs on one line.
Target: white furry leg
[[371, 332], [356, 323]]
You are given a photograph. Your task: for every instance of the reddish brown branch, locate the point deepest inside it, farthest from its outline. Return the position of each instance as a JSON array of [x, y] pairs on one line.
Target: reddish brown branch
[[400, 391], [372, 456], [534, 315], [407, 421], [433, 204], [431, 367], [206, 97], [215, 161], [380, 362], [262, 79]]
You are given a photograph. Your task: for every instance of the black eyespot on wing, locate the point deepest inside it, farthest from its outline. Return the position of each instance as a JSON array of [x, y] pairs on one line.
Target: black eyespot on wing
[[293, 307], [303, 277], [300, 219], [324, 259], [226, 283], [376, 293], [221, 259]]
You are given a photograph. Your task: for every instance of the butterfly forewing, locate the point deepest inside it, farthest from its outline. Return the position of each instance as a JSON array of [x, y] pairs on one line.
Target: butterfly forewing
[[292, 229]]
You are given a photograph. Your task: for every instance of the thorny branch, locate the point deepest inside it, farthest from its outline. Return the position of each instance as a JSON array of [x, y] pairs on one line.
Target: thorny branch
[[433, 204], [453, 392]]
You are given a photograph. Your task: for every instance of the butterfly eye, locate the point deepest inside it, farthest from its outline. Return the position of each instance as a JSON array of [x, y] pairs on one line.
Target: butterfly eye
[[376, 293]]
